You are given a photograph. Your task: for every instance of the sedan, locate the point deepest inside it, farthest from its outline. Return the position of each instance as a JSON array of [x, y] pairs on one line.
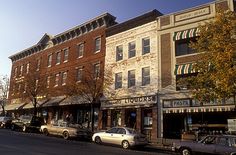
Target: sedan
[[126, 137], [212, 144], [66, 130]]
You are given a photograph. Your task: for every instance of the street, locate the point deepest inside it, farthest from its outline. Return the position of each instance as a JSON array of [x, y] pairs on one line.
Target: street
[[19, 143]]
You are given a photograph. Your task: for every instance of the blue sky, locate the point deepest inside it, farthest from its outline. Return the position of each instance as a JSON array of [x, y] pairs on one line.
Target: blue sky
[[24, 22]]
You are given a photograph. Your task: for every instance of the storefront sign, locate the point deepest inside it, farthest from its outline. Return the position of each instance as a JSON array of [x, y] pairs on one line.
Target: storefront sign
[[143, 100], [192, 14], [176, 103]]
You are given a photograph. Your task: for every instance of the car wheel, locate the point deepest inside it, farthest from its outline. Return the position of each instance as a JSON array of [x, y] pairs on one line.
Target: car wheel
[[98, 140], [45, 132], [185, 151], [125, 144], [66, 135], [12, 127], [24, 128]]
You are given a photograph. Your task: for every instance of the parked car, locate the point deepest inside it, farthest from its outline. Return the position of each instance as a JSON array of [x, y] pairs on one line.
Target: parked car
[[27, 123], [211, 144], [126, 137], [66, 130], [5, 121]]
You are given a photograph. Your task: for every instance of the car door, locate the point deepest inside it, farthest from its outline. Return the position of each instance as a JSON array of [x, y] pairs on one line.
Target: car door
[[108, 137], [223, 146], [206, 146]]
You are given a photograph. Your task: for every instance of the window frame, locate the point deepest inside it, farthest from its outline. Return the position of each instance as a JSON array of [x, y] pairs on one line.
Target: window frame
[[145, 46], [96, 50], [131, 78], [145, 78], [131, 50], [66, 54], [64, 78], [57, 78], [79, 74], [80, 50], [49, 60], [58, 58], [96, 70], [118, 80], [119, 52]]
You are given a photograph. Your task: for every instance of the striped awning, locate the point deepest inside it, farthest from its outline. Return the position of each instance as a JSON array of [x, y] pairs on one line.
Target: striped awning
[[186, 34], [184, 69]]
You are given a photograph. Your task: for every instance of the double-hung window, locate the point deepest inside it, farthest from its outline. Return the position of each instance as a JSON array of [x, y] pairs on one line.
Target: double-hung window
[[49, 62], [146, 46], [145, 76], [66, 54], [97, 44], [131, 78], [38, 64], [79, 74], [58, 58], [27, 67], [96, 70], [80, 50], [118, 80], [57, 79], [48, 81], [132, 51], [64, 77], [119, 53], [21, 70]]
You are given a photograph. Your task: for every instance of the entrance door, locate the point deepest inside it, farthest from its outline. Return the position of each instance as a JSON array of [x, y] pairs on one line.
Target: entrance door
[[130, 118]]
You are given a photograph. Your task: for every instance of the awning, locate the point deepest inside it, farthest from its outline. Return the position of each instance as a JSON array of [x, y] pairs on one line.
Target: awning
[[54, 101], [186, 34], [72, 100], [184, 69], [30, 105], [15, 106]]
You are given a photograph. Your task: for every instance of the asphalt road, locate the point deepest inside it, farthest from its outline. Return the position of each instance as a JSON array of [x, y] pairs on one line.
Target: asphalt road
[[18, 143]]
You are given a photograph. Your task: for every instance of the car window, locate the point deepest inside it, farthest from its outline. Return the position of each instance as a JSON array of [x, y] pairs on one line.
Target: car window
[[121, 131], [209, 140], [223, 141], [112, 130]]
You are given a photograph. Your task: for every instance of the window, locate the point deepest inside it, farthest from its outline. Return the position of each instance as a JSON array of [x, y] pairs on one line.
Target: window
[[66, 54], [181, 83], [146, 45], [118, 80], [96, 70], [64, 76], [25, 88], [80, 49], [182, 46], [50, 60], [36, 83], [131, 78], [38, 64], [132, 51], [15, 72], [119, 53], [79, 74], [48, 81], [27, 68], [21, 70], [58, 58], [56, 79], [145, 76], [98, 44]]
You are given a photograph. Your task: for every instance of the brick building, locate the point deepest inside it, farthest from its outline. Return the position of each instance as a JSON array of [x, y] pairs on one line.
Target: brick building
[[58, 57]]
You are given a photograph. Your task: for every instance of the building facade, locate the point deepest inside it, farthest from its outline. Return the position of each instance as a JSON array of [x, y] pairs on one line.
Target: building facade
[[179, 112], [57, 58]]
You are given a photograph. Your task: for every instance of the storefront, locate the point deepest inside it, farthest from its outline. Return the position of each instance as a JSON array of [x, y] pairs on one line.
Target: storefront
[[139, 113]]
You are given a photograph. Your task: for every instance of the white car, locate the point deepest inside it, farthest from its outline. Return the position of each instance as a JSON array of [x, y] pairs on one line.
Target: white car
[[126, 137]]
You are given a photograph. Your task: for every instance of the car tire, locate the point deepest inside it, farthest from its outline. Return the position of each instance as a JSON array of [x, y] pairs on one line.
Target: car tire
[[125, 144], [45, 132], [66, 135], [12, 127], [97, 140], [185, 151]]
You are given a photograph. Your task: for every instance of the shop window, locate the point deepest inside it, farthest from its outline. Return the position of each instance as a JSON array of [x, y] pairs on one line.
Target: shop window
[[181, 83], [146, 45], [118, 80], [147, 119], [132, 51], [131, 78], [119, 53], [116, 118], [182, 46]]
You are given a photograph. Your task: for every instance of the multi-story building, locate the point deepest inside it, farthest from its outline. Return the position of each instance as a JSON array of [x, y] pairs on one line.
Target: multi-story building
[[57, 58], [177, 110], [132, 53]]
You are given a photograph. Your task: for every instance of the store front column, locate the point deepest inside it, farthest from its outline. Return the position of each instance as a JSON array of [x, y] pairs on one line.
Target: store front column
[[154, 124], [100, 116], [122, 117], [109, 118], [139, 120]]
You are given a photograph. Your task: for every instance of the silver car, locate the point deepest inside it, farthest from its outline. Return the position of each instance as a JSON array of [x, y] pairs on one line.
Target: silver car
[[126, 137], [66, 130], [212, 144]]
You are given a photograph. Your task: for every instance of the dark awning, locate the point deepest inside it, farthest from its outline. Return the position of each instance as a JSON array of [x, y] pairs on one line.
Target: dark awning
[[184, 69], [186, 34]]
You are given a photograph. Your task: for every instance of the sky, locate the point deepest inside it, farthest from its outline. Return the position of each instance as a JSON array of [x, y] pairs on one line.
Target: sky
[[24, 22]]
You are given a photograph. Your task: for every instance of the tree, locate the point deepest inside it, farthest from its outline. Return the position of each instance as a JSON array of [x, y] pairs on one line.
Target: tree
[[4, 89], [216, 67], [34, 84], [89, 86]]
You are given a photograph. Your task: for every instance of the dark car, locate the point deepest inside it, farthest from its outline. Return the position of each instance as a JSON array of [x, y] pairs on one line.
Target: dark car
[[5, 121], [27, 123], [211, 144]]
